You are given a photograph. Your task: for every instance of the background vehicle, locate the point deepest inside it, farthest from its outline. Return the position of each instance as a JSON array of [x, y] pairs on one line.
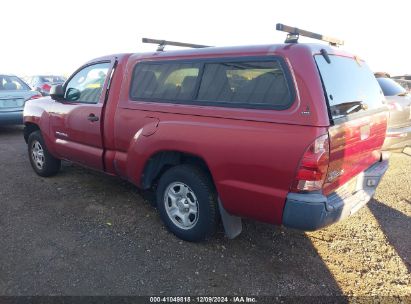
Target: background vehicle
[[402, 77], [223, 132], [43, 83], [14, 92], [403, 80], [399, 122]]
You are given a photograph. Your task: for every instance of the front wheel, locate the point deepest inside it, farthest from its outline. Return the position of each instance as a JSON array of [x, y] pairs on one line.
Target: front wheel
[[187, 202], [43, 163]]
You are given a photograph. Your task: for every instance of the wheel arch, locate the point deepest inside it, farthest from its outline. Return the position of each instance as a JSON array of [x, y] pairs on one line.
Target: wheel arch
[[159, 162], [29, 128]]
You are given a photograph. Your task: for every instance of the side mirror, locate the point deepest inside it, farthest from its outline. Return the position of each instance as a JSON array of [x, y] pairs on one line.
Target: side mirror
[[57, 92], [73, 94]]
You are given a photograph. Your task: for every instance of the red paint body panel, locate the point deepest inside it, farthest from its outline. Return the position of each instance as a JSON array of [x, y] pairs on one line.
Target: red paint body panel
[[247, 160], [253, 155]]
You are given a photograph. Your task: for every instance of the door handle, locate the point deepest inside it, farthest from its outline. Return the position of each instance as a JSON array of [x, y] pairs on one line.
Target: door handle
[[92, 117]]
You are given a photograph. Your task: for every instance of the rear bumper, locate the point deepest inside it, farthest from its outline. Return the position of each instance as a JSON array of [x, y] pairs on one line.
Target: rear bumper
[[397, 138], [11, 118], [313, 211]]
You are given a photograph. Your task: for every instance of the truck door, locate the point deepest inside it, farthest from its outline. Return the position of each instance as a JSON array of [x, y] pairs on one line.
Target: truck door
[[76, 122]]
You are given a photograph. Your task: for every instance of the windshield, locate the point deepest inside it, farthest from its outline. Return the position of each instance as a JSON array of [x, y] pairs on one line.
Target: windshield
[[350, 86], [390, 87]]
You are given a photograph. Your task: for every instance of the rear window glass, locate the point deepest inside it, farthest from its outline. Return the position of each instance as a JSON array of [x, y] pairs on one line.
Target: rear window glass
[[390, 87], [249, 83], [51, 79], [12, 83], [169, 81], [350, 86]]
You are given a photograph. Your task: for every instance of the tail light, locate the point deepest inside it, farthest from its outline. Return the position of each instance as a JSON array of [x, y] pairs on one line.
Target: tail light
[[46, 87], [313, 167], [35, 96], [392, 105], [396, 135]]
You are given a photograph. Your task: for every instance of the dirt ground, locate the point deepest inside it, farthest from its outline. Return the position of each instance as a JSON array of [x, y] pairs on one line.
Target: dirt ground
[[84, 233]]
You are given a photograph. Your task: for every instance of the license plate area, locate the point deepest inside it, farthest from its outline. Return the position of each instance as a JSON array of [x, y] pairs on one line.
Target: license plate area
[[347, 189], [11, 103]]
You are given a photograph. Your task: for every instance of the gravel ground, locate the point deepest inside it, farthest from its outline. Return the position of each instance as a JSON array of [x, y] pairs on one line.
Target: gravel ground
[[84, 233]]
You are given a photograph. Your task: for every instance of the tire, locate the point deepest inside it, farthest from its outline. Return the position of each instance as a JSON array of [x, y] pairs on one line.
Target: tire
[[43, 163], [193, 214]]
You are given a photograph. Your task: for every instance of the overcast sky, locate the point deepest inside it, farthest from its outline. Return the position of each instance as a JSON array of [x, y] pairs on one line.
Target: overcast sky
[[56, 37]]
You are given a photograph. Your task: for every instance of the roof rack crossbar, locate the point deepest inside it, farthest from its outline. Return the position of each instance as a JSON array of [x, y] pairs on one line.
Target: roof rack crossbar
[[163, 43], [294, 33]]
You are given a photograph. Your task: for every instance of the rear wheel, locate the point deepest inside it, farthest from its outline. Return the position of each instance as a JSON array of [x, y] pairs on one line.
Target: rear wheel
[[187, 202], [43, 163]]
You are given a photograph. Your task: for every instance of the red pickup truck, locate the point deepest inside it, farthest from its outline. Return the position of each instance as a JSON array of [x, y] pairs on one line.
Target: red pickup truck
[[288, 134]]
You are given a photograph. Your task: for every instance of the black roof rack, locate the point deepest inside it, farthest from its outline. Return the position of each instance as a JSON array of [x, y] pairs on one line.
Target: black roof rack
[[294, 33], [163, 43]]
